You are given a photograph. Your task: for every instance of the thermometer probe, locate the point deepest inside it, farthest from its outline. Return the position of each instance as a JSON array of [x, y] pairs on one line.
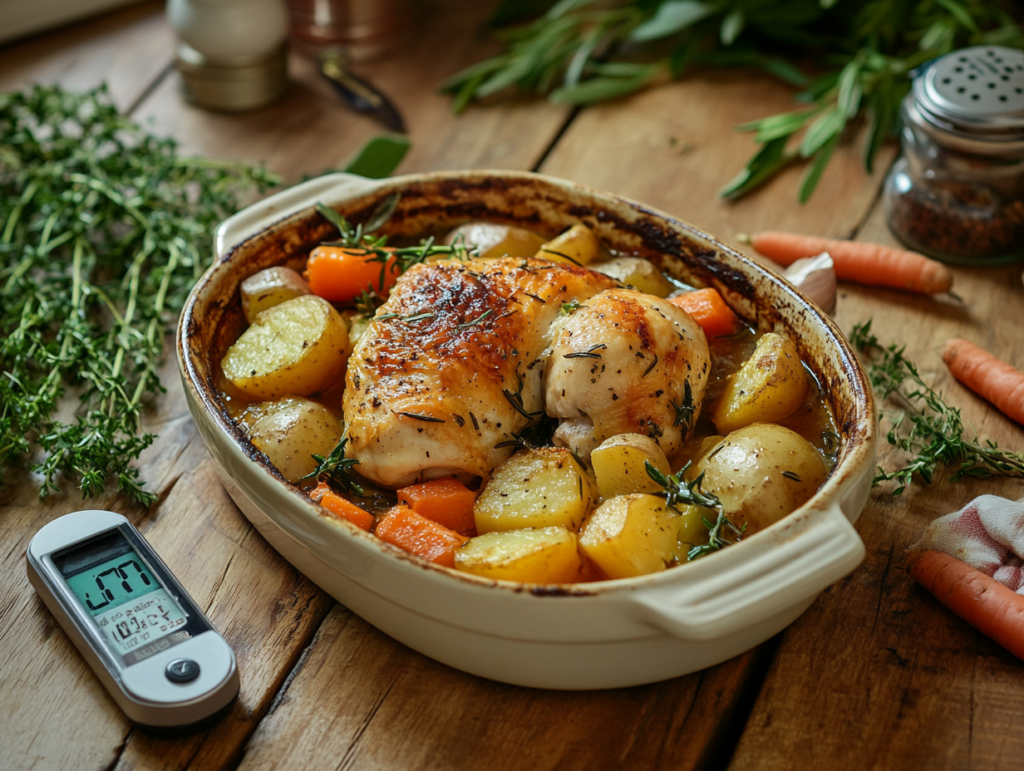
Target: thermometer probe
[[145, 638]]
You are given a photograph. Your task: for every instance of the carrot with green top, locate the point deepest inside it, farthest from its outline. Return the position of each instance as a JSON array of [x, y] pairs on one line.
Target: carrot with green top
[[981, 601], [340, 274], [342, 508], [859, 261], [446, 501], [989, 377], [708, 309], [404, 528]]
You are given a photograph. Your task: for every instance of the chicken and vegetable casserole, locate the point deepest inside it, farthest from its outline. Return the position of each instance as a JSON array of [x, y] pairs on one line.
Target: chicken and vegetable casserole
[[534, 410]]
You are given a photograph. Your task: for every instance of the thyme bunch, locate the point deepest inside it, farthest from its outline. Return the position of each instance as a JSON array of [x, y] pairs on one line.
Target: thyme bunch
[[103, 230], [926, 428], [864, 51]]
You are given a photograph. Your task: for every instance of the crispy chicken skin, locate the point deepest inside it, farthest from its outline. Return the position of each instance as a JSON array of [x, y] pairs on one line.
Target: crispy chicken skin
[[431, 385], [626, 362]]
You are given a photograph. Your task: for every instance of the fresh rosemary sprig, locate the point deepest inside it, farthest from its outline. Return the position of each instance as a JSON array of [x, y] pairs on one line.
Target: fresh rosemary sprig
[[584, 51], [103, 230], [337, 470], [361, 240], [680, 492], [927, 428], [685, 410], [721, 533]]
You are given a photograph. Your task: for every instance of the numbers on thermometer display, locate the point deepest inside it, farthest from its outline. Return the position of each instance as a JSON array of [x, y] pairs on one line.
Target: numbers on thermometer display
[[118, 572], [150, 617]]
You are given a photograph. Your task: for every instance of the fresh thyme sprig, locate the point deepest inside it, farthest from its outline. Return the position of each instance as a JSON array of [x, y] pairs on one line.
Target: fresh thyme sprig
[[585, 51], [927, 428], [337, 470], [103, 230]]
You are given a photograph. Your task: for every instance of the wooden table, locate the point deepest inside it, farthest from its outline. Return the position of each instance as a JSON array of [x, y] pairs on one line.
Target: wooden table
[[875, 675]]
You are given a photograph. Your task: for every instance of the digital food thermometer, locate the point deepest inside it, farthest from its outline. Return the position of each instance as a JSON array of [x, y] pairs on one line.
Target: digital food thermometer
[[145, 638]]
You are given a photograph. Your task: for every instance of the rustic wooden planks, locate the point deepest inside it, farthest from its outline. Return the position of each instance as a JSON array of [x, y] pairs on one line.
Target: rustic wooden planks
[[311, 130], [877, 674], [129, 49], [675, 146]]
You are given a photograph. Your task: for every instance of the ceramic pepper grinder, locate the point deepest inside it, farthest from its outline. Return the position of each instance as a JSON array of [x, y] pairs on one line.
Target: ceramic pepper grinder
[[231, 53]]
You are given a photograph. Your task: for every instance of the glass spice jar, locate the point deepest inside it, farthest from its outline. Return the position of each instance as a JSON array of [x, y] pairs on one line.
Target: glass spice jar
[[957, 192]]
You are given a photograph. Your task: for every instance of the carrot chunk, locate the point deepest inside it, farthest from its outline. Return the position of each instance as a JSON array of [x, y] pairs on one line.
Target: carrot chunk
[[981, 601], [339, 274], [445, 501], [709, 310], [859, 261], [404, 528], [987, 376], [342, 508]]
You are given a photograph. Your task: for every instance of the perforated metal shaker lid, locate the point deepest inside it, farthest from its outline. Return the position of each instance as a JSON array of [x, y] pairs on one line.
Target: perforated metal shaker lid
[[976, 92]]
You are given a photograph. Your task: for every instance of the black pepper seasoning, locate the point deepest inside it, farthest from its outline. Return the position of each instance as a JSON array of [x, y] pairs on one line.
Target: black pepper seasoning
[[957, 193]]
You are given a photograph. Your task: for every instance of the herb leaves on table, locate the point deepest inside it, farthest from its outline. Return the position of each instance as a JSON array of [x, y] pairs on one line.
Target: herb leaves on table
[[103, 230], [927, 428], [863, 53]]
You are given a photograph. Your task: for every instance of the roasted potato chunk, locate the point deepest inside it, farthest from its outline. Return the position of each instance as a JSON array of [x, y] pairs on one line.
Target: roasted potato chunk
[[618, 464], [291, 431], [534, 488], [631, 535], [637, 273], [577, 245], [494, 240], [293, 349], [761, 473], [537, 556], [268, 288], [769, 386]]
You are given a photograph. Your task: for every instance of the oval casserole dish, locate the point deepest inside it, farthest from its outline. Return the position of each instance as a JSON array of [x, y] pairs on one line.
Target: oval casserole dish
[[609, 634]]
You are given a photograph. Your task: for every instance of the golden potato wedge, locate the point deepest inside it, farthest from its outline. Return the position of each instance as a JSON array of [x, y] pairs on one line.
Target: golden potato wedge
[[535, 556], [618, 464], [293, 349], [631, 535], [761, 473], [769, 386], [493, 240], [534, 488], [577, 245], [638, 273], [290, 431], [268, 288]]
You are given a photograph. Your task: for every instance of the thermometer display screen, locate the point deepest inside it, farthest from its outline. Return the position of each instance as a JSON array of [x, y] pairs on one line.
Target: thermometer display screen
[[119, 591]]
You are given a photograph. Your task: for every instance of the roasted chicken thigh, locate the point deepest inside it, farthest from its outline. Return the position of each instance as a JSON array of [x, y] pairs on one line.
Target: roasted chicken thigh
[[452, 366]]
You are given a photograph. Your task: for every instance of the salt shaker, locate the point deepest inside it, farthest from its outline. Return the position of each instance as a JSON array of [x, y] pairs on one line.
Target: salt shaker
[[957, 193], [231, 53]]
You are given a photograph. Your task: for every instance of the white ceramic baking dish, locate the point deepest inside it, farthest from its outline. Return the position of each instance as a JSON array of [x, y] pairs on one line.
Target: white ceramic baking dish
[[609, 634]]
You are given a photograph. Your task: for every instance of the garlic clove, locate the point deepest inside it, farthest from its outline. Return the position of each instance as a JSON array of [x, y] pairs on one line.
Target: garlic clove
[[816, 278]]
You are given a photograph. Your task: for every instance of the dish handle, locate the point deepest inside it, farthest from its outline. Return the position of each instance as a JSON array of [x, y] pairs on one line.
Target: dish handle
[[252, 219], [762, 581]]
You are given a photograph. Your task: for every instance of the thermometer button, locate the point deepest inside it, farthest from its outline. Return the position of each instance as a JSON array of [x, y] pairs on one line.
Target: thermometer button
[[182, 671]]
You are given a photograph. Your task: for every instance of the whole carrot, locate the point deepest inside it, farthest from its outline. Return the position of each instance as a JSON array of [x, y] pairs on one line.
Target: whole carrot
[[981, 601], [858, 261], [987, 376]]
